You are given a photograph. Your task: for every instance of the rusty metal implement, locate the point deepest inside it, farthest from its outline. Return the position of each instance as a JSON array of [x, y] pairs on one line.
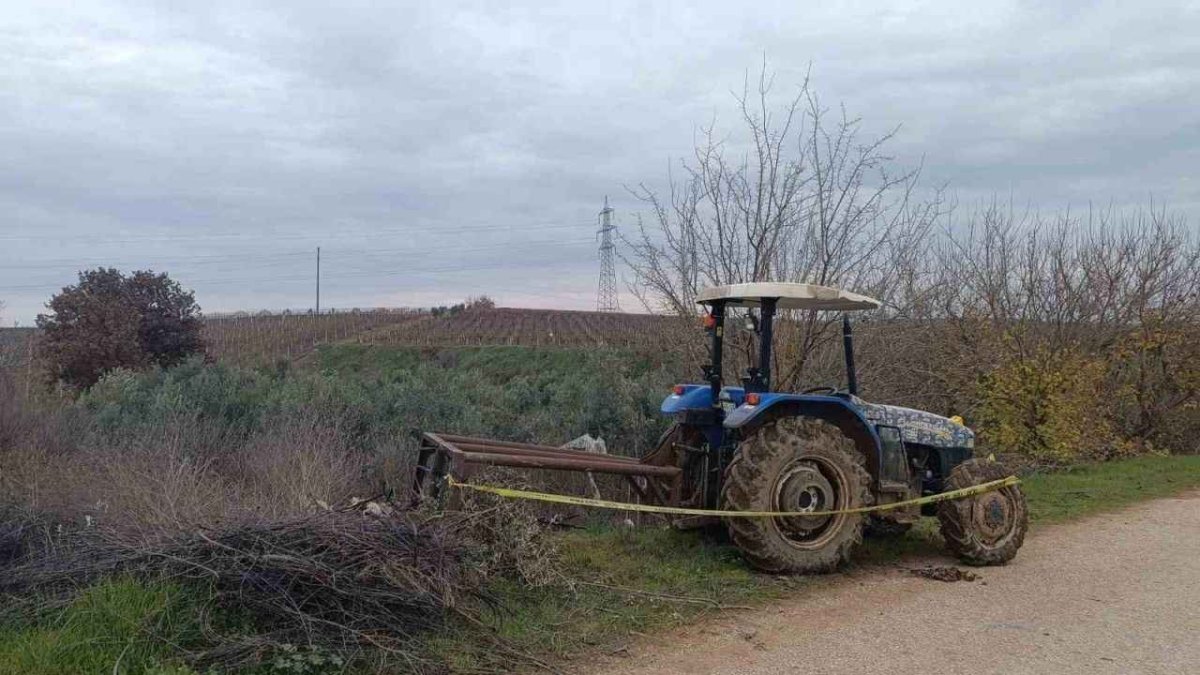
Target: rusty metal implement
[[443, 455]]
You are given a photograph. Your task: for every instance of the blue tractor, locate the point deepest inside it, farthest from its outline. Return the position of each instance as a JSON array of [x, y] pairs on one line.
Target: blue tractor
[[749, 448], [746, 447]]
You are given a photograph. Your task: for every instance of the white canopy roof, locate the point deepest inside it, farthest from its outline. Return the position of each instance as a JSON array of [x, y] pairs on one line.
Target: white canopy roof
[[791, 296]]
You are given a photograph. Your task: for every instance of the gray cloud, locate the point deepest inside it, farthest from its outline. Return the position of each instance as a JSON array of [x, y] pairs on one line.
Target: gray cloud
[[443, 149]]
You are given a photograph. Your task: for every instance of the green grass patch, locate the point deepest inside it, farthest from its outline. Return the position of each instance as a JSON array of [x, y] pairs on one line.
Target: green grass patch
[[494, 364], [625, 581], [368, 359], [1093, 488], [119, 626]]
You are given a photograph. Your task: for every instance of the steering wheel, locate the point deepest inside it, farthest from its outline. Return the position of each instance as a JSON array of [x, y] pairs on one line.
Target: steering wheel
[[826, 388]]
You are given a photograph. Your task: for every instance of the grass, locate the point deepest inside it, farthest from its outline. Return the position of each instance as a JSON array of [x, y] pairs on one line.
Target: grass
[[1093, 488], [623, 581], [119, 626]]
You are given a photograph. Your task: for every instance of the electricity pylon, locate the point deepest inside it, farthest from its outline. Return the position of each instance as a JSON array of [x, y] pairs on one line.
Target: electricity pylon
[[606, 297]]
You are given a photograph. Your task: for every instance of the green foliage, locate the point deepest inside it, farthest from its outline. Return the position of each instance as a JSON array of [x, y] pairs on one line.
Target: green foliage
[[125, 399], [119, 626], [372, 393], [293, 660], [1154, 377], [109, 320], [1049, 406]]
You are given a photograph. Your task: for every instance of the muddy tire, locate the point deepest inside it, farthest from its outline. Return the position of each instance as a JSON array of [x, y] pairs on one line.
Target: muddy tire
[[796, 465], [986, 529], [880, 528]]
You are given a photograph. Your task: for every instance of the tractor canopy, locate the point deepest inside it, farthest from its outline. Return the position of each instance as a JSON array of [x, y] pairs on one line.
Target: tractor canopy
[[786, 296], [767, 297]]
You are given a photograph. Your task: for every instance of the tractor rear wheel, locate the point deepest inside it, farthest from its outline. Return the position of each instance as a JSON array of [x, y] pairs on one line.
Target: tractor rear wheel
[[986, 529], [799, 465]]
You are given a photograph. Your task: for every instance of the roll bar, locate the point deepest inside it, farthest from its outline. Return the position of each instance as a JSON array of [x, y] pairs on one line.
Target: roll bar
[[758, 379]]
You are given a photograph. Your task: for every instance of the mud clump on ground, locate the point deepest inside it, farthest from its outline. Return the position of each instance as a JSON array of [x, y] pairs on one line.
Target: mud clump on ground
[[944, 573]]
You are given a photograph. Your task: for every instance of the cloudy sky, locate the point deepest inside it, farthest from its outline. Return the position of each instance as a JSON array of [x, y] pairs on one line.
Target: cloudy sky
[[437, 150]]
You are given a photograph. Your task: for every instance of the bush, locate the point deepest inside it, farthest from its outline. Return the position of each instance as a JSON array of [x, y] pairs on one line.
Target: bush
[[1154, 379], [178, 447], [1049, 407], [108, 320]]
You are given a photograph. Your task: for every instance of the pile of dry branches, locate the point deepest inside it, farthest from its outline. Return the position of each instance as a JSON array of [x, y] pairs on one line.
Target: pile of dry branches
[[20, 532], [342, 580]]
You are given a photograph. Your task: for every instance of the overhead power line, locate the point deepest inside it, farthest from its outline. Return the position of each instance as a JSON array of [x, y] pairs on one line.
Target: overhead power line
[[297, 257], [359, 272], [393, 266], [356, 232]]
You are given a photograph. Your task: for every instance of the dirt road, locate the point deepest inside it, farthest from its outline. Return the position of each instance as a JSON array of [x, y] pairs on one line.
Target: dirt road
[[1117, 593]]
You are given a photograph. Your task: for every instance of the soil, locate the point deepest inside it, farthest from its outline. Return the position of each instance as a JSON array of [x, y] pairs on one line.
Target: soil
[[943, 573], [1115, 593]]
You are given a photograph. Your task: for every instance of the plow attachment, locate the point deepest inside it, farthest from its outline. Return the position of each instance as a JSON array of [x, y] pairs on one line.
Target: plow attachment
[[442, 455]]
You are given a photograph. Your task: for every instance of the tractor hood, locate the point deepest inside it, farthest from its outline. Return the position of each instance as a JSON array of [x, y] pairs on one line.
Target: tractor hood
[[918, 426]]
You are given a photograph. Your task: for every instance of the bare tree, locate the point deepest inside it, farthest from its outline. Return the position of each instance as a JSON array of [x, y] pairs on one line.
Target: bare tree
[[1118, 290], [797, 196], [1066, 281]]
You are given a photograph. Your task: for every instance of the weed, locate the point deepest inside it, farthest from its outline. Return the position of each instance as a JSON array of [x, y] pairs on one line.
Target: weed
[[117, 626], [311, 660]]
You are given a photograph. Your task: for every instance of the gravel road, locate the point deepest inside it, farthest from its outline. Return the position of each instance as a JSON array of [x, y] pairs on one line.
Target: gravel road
[[1116, 593]]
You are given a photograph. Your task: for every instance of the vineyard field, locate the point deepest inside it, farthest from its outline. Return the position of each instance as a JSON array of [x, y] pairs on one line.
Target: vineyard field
[[529, 328], [256, 339], [253, 339]]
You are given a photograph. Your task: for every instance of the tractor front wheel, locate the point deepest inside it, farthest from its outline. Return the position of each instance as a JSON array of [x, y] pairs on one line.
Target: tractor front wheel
[[986, 529], [796, 465]]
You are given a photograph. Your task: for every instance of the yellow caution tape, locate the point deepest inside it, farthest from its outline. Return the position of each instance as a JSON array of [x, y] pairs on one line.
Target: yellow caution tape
[[676, 510]]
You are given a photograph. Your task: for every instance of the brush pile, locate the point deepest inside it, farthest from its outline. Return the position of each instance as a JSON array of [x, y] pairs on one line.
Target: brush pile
[[342, 580], [20, 532]]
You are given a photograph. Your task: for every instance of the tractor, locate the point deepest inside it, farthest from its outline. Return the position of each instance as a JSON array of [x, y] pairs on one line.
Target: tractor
[[820, 450]]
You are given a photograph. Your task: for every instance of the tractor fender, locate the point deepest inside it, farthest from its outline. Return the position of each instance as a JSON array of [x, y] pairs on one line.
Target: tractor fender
[[833, 409], [692, 397]]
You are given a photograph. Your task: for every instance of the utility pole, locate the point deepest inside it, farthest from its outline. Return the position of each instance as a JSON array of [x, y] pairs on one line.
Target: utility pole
[[318, 280], [606, 297]]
